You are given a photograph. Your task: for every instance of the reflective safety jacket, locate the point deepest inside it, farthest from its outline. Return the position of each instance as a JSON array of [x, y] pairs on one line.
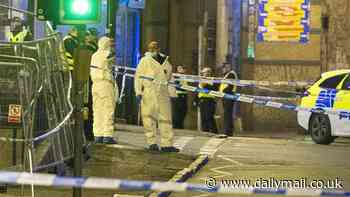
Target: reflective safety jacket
[[19, 37], [228, 88], [92, 46], [70, 43], [208, 86], [180, 91]]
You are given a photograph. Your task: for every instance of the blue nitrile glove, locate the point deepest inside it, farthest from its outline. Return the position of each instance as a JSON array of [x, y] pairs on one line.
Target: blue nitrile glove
[[138, 99]]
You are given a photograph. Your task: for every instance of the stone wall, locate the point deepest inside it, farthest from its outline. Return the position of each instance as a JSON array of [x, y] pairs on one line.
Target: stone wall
[[175, 25], [282, 61], [336, 41], [275, 119]]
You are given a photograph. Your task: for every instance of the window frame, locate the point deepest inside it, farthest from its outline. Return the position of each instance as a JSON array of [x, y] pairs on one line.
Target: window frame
[[343, 85], [336, 87]]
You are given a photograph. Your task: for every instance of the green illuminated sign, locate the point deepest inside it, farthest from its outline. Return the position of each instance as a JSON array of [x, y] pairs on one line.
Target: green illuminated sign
[[79, 11]]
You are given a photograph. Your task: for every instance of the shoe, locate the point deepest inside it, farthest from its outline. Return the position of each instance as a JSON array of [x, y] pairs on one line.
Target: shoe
[[98, 140], [153, 147], [221, 136], [86, 152], [170, 149], [109, 140], [3, 188]]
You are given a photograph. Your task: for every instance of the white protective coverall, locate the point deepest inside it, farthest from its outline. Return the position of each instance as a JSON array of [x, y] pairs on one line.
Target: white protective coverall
[[155, 104], [103, 90]]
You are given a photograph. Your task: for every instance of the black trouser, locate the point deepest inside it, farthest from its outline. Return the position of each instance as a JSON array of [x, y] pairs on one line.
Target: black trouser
[[228, 117], [179, 111], [208, 108], [88, 124]]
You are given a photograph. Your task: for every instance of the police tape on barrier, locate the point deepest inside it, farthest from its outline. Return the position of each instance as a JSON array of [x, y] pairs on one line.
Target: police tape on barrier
[[48, 180], [65, 120]]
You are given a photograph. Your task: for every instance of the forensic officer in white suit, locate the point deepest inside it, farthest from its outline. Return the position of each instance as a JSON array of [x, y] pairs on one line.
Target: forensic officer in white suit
[[155, 98]]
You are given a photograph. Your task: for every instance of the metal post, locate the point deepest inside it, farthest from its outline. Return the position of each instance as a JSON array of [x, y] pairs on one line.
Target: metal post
[[200, 62], [202, 54], [79, 79], [31, 19], [112, 7], [14, 147], [78, 133]]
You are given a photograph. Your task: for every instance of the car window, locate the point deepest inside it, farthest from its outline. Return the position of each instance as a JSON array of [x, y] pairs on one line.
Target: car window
[[346, 85], [332, 82]]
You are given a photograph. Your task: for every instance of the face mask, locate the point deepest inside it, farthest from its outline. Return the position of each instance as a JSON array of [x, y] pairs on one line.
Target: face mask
[[154, 54]]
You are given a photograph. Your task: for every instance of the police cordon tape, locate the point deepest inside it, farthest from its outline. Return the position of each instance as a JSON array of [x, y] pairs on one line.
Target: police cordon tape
[[243, 83], [250, 84], [258, 100], [48, 180], [240, 83], [251, 96], [123, 71]]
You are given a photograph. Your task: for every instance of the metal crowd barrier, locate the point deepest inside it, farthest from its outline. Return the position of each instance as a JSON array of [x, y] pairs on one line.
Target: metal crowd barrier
[[44, 90]]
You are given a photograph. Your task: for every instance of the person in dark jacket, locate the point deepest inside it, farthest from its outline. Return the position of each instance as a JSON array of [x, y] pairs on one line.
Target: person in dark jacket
[[18, 31], [179, 103], [228, 104], [70, 43], [91, 39], [207, 104]]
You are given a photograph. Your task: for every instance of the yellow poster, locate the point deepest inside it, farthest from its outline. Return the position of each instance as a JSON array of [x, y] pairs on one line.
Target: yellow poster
[[284, 20]]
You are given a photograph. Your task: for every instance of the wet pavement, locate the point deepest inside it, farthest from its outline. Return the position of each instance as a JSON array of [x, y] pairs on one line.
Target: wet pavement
[[258, 158], [121, 162]]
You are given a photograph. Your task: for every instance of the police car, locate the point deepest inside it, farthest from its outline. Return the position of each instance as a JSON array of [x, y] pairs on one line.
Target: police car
[[331, 91]]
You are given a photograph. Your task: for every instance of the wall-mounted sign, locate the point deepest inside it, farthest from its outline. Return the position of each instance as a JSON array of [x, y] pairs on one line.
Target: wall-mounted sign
[[284, 20], [15, 113], [251, 29]]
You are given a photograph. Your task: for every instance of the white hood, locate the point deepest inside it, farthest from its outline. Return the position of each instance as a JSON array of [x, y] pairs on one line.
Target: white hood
[[100, 60], [104, 44]]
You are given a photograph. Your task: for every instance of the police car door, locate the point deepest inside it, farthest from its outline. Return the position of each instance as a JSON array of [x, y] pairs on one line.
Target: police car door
[[342, 122]]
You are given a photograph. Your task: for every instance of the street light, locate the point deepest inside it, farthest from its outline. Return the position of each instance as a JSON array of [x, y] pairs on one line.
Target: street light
[[79, 11], [81, 7], [70, 12]]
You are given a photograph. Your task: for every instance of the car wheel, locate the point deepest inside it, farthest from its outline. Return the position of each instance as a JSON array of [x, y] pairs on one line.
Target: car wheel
[[320, 129]]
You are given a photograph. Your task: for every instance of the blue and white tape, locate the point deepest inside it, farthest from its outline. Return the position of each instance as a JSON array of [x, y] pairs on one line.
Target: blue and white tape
[[117, 184], [250, 99], [242, 83], [249, 83], [258, 100]]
